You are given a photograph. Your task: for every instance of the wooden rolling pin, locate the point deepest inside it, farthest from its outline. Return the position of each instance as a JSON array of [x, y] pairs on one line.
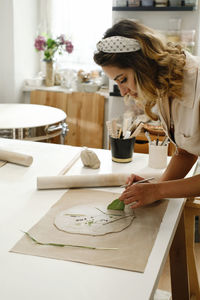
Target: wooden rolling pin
[[78, 181], [16, 158]]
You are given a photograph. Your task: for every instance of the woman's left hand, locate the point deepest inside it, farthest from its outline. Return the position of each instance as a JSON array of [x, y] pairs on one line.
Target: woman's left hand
[[140, 194]]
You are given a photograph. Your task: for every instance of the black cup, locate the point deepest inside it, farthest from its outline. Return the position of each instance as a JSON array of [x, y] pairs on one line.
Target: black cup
[[122, 149]]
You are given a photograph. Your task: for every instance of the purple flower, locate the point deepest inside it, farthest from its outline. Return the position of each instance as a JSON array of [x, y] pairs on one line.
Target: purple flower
[[50, 46], [40, 43], [69, 47], [61, 39]]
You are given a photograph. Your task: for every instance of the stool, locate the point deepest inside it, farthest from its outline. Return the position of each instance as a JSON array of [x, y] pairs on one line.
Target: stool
[[191, 210], [32, 122], [162, 295]]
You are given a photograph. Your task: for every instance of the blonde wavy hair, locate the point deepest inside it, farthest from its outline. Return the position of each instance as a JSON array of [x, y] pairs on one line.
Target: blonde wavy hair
[[158, 66]]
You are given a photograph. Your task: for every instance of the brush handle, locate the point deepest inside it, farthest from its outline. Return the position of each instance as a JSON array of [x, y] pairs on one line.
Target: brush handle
[[140, 181], [70, 164]]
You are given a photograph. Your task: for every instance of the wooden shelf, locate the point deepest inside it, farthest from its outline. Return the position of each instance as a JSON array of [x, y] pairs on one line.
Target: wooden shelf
[[154, 8]]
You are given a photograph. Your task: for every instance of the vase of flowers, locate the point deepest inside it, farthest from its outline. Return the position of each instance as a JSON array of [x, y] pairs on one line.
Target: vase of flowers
[[49, 77], [50, 47]]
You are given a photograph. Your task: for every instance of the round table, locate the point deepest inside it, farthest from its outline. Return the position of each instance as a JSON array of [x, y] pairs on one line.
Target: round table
[[32, 122]]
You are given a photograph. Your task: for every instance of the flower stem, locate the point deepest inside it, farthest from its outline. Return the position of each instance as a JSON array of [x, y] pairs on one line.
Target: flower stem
[[118, 219], [66, 245]]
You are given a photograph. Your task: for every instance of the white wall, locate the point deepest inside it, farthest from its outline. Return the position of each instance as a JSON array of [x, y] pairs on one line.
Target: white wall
[[6, 51], [18, 59]]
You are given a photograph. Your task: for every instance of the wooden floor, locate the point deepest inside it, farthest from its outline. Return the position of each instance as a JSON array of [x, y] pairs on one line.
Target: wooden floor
[[164, 283]]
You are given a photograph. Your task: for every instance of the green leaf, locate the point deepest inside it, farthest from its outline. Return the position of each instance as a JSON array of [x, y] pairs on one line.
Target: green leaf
[[51, 43], [116, 205]]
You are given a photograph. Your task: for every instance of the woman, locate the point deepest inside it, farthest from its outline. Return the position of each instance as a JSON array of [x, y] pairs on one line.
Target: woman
[[155, 72]]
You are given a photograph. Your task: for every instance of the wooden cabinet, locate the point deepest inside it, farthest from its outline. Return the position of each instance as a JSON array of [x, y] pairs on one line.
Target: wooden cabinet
[[85, 115]]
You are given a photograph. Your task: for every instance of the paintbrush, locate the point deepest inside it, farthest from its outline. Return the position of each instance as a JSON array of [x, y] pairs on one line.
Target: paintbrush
[[137, 130], [164, 142], [140, 181]]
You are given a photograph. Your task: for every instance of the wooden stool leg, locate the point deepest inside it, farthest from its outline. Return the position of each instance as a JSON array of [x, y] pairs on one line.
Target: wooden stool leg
[[189, 214], [178, 264], [198, 228]]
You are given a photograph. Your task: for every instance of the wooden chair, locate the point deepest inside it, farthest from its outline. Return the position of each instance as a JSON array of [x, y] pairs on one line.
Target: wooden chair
[[191, 210]]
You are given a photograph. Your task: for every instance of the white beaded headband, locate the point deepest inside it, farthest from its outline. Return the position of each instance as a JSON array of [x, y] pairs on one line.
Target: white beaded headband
[[118, 44]]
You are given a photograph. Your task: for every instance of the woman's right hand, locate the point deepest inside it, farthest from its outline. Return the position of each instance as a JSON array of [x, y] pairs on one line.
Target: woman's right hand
[[133, 178]]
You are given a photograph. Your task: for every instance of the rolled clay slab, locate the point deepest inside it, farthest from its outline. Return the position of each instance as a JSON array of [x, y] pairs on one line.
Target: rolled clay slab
[[93, 220], [16, 158], [78, 181]]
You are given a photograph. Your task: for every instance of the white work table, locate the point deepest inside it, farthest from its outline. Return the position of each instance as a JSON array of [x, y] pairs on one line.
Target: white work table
[[25, 277]]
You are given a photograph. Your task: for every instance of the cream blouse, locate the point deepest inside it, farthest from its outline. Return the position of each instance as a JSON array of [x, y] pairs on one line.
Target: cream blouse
[[185, 112]]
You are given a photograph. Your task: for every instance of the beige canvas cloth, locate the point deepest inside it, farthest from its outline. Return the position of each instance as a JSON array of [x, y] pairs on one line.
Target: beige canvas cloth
[[134, 243]]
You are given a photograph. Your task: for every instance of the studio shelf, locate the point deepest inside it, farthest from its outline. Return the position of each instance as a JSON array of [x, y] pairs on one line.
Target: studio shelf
[[154, 8]]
